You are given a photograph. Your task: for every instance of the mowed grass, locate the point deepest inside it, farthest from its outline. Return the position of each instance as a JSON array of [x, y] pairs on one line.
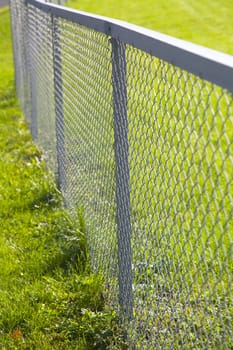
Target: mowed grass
[[48, 297], [180, 139], [205, 22]]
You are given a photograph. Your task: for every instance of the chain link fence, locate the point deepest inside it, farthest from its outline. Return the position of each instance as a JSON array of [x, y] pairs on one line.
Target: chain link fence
[[138, 129]]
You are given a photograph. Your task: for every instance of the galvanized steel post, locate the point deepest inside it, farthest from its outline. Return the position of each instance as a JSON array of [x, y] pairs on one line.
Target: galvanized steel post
[[122, 177], [32, 80], [59, 113]]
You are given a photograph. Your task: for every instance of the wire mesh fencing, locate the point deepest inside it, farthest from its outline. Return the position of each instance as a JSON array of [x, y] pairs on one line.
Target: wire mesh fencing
[[138, 129]]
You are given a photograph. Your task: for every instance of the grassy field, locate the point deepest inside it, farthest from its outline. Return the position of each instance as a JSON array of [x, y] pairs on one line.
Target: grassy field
[[48, 297], [207, 22]]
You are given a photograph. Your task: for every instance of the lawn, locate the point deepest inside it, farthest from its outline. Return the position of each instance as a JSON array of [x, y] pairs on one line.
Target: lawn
[[205, 22], [48, 297]]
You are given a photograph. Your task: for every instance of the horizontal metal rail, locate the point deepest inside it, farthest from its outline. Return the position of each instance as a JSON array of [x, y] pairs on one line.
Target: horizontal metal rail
[[207, 64]]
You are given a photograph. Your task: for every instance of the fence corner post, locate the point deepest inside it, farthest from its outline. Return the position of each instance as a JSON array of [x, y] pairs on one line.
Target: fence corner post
[[121, 145]]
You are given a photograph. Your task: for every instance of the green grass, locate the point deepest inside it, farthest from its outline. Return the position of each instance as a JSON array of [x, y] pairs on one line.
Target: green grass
[[48, 297], [205, 22]]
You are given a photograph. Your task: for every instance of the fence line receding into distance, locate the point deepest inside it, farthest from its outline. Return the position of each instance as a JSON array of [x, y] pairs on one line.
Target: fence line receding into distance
[[138, 129]]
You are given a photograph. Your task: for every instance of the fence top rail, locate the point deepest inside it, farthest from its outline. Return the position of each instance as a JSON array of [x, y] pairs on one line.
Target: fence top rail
[[208, 64]]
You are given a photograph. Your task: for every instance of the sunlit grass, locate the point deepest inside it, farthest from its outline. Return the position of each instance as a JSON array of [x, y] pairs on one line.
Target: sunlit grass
[[207, 22]]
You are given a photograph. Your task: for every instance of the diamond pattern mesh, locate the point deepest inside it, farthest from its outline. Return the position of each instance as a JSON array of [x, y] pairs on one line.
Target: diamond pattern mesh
[[89, 138], [180, 136], [19, 24], [176, 132], [40, 50]]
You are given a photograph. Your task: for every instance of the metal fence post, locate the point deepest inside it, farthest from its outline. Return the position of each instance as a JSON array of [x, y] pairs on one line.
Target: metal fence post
[[32, 79], [14, 41], [122, 177], [59, 113]]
